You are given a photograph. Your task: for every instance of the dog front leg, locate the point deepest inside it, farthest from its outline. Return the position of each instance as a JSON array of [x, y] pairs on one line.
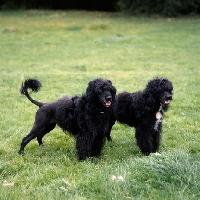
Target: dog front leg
[[157, 138], [144, 138], [97, 145], [111, 123], [83, 146]]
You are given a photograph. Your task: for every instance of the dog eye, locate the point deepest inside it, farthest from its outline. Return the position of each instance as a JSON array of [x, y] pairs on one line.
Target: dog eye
[[100, 91]]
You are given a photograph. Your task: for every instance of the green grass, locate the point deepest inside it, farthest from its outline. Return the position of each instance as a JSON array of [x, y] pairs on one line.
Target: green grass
[[65, 50]]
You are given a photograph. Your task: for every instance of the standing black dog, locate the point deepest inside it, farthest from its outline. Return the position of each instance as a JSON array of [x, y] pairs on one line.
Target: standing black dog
[[88, 117], [144, 110]]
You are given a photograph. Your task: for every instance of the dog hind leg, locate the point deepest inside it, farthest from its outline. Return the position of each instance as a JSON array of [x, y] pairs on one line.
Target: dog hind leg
[[47, 130], [35, 132], [41, 126]]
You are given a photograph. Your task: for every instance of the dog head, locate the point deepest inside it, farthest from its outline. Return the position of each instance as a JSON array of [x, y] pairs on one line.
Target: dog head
[[161, 89], [101, 91]]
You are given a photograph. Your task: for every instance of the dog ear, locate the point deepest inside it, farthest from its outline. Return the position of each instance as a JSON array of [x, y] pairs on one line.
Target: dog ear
[[113, 91], [90, 92]]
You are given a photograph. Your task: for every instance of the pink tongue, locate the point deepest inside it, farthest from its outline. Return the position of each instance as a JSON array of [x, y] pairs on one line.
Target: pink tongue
[[108, 103], [167, 101]]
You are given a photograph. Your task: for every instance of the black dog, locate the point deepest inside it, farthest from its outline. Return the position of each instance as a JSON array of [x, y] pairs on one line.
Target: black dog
[[88, 117], [144, 110]]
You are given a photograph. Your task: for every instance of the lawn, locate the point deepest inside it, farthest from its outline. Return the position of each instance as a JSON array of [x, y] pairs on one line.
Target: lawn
[[65, 50]]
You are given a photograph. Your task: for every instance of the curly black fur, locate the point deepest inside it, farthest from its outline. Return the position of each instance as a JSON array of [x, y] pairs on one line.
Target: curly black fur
[[31, 83], [89, 117], [144, 111]]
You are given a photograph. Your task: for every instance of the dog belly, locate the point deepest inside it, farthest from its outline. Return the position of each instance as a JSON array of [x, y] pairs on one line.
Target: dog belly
[[125, 119]]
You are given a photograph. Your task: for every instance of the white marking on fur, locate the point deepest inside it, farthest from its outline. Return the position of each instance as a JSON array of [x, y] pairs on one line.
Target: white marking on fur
[[158, 118]]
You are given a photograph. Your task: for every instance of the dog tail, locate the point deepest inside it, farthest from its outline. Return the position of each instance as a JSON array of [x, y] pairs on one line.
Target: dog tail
[[34, 85]]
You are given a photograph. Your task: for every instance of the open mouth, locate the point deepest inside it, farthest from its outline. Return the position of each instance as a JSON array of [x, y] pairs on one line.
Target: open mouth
[[108, 103], [166, 102]]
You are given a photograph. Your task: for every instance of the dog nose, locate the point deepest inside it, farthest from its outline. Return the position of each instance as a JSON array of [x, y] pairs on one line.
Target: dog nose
[[108, 98], [169, 96]]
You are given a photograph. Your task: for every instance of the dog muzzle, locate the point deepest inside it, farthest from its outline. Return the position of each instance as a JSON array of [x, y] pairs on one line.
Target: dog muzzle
[[108, 101]]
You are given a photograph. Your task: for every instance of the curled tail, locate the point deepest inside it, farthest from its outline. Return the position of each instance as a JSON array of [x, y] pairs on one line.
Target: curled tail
[[34, 85]]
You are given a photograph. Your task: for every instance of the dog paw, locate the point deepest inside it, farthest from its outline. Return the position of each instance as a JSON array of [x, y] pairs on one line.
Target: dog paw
[[156, 154], [21, 153]]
